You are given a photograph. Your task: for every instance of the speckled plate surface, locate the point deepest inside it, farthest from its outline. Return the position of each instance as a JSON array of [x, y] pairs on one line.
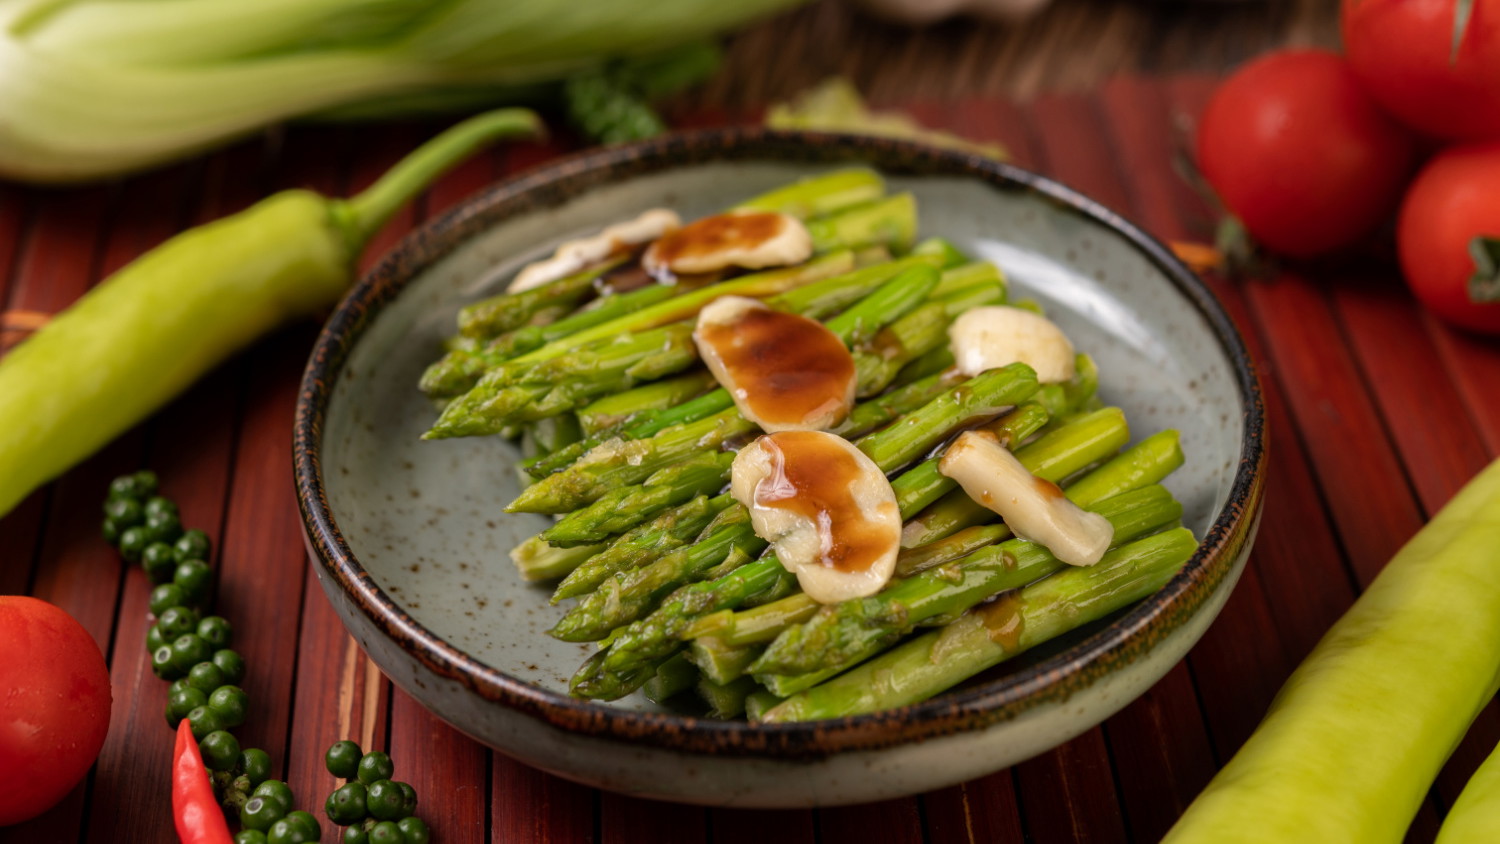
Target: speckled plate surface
[[410, 538]]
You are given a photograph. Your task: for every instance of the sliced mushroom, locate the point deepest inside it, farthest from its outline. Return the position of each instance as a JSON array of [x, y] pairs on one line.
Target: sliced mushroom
[[577, 255], [825, 507], [785, 372], [1033, 507], [993, 336], [752, 240]]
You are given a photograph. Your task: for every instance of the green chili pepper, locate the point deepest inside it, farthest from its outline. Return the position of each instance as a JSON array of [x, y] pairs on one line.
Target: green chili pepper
[[150, 330]]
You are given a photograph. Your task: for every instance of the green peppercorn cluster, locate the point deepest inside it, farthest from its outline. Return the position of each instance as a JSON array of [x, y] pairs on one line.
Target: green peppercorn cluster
[[374, 808], [192, 650]]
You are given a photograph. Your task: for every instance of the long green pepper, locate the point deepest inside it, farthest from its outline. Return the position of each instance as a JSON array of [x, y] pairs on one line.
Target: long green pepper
[[143, 335]]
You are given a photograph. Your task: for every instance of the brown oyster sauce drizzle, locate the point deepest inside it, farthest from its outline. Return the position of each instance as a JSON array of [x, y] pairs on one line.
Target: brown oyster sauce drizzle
[[786, 368], [714, 234], [811, 476]]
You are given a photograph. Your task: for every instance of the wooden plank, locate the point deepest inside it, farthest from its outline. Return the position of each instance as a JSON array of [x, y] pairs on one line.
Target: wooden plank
[[631, 820], [1474, 364], [1327, 399], [445, 766], [531, 807], [1069, 794], [1158, 772], [71, 567], [889, 822], [759, 826], [975, 812]]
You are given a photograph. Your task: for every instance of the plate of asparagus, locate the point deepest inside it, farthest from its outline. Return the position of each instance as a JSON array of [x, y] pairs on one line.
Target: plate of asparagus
[[697, 451]]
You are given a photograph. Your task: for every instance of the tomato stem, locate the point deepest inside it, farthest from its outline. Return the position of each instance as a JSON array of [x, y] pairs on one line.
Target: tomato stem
[[1484, 284]]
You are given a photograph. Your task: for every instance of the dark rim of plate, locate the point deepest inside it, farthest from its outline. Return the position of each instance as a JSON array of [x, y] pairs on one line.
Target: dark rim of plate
[[1051, 680]]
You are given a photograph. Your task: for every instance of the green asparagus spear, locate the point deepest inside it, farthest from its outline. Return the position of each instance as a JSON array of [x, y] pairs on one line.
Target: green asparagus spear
[[622, 600], [891, 222], [496, 315], [945, 250], [758, 703], [624, 508], [992, 633], [916, 334], [726, 700], [1147, 462], [537, 560], [842, 634], [615, 410], [642, 545], [820, 195], [720, 661], [672, 678]]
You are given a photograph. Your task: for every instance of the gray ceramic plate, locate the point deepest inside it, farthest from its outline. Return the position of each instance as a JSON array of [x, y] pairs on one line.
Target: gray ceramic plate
[[411, 540]]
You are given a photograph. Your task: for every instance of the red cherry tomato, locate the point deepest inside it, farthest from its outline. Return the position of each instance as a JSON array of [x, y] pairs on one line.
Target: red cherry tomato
[[1455, 199], [54, 706], [1402, 52], [1300, 155]]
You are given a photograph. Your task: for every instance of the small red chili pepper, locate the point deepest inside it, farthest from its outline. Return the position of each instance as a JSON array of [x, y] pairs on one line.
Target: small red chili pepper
[[194, 808]]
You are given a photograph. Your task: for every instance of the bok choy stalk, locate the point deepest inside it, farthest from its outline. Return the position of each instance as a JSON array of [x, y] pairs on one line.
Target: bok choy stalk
[[92, 88]]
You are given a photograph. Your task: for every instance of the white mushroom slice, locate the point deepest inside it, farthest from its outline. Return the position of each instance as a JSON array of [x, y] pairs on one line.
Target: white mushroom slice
[[575, 256], [1033, 507], [993, 336], [784, 371], [825, 507], [752, 240]]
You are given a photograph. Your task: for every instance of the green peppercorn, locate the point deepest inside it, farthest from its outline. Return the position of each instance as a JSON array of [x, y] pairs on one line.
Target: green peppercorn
[[192, 545], [220, 750], [206, 676], [278, 790], [250, 836], [133, 541], [306, 822], [204, 720], [356, 835], [189, 650], [288, 831], [125, 512], [383, 800], [255, 764], [160, 504], [408, 799], [236, 794], [140, 485], [163, 527], [165, 597], [346, 805], [215, 630], [111, 532], [162, 664], [261, 811], [415, 830], [154, 639], [195, 578], [178, 685], [181, 701], [342, 759], [232, 664], [177, 621], [157, 560], [386, 832], [230, 702], [375, 766]]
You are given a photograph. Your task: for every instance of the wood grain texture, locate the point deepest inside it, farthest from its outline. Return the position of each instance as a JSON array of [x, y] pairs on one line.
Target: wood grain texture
[[1377, 414]]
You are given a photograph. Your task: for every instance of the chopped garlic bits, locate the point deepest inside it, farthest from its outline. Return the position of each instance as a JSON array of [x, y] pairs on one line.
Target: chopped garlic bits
[[785, 372], [825, 507], [1034, 508], [751, 240], [578, 255], [993, 336]]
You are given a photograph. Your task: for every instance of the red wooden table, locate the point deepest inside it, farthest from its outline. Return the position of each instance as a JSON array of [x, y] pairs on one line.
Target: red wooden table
[[1378, 414]]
